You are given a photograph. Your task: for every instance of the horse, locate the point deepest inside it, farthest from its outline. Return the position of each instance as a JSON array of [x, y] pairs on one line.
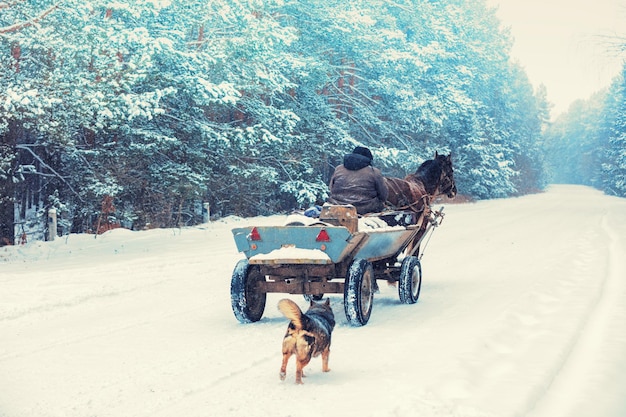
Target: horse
[[433, 178]]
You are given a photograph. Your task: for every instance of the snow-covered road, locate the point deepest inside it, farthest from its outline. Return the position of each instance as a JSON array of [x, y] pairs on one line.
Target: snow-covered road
[[522, 313]]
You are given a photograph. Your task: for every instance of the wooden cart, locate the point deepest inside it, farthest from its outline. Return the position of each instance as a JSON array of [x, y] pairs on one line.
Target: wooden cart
[[337, 253]]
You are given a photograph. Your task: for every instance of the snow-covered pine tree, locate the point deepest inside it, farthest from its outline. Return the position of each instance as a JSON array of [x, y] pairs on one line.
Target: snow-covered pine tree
[[614, 166]]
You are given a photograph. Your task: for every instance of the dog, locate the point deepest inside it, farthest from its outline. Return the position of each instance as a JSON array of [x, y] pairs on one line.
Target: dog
[[308, 335]]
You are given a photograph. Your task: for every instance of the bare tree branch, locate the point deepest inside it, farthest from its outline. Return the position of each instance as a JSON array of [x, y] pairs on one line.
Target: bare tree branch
[[22, 25], [41, 161], [5, 5]]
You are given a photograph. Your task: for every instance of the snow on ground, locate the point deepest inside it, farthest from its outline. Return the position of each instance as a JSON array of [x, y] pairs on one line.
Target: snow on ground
[[522, 313]]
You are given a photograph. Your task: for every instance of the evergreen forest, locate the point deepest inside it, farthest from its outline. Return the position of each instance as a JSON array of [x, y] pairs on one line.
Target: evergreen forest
[[587, 144], [144, 113]]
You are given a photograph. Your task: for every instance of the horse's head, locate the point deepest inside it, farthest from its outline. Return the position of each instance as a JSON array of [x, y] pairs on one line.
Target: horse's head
[[435, 177], [447, 185]]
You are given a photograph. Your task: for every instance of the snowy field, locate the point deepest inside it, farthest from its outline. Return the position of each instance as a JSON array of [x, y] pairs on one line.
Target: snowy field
[[522, 313]]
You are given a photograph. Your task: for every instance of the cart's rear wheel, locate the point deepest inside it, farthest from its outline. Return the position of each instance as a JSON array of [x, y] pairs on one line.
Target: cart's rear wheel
[[358, 297], [410, 280], [247, 303]]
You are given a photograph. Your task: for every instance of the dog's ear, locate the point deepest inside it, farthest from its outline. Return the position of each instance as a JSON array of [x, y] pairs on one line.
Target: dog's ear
[[327, 303]]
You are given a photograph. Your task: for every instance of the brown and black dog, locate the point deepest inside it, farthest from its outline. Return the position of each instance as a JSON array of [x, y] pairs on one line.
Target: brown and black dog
[[308, 335]]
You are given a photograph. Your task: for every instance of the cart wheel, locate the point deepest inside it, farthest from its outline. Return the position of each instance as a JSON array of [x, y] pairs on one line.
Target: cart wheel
[[358, 297], [410, 280], [311, 297], [248, 304]]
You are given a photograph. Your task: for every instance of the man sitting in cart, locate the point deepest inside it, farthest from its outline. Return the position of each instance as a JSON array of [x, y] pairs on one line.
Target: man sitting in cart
[[358, 183]]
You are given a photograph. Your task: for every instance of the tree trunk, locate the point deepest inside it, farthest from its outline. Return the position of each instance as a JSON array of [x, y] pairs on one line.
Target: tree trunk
[[7, 189]]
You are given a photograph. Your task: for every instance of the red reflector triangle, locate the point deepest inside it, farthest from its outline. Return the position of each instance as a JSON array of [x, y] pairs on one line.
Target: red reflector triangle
[[322, 236], [254, 234]]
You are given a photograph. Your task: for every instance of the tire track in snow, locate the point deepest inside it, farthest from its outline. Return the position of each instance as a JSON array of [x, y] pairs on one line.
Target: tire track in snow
[[94, 333], [528, 323], [569, 380], [212, 389], [92, 294]]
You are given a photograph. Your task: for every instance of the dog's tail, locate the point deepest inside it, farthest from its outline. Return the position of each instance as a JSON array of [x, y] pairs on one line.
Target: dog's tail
[[291, 311]]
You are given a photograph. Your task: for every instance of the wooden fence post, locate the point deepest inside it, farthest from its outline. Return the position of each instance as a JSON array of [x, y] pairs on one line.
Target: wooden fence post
[[52, 224]]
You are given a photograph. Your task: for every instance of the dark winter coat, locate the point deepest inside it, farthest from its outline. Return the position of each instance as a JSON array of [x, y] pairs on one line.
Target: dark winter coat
[[356, 182]]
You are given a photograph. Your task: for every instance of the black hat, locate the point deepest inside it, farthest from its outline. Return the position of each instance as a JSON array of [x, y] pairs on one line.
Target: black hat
[[361, 150]]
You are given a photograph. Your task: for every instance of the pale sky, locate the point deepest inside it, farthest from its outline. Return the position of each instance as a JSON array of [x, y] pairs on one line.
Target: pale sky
[[562, 44]]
